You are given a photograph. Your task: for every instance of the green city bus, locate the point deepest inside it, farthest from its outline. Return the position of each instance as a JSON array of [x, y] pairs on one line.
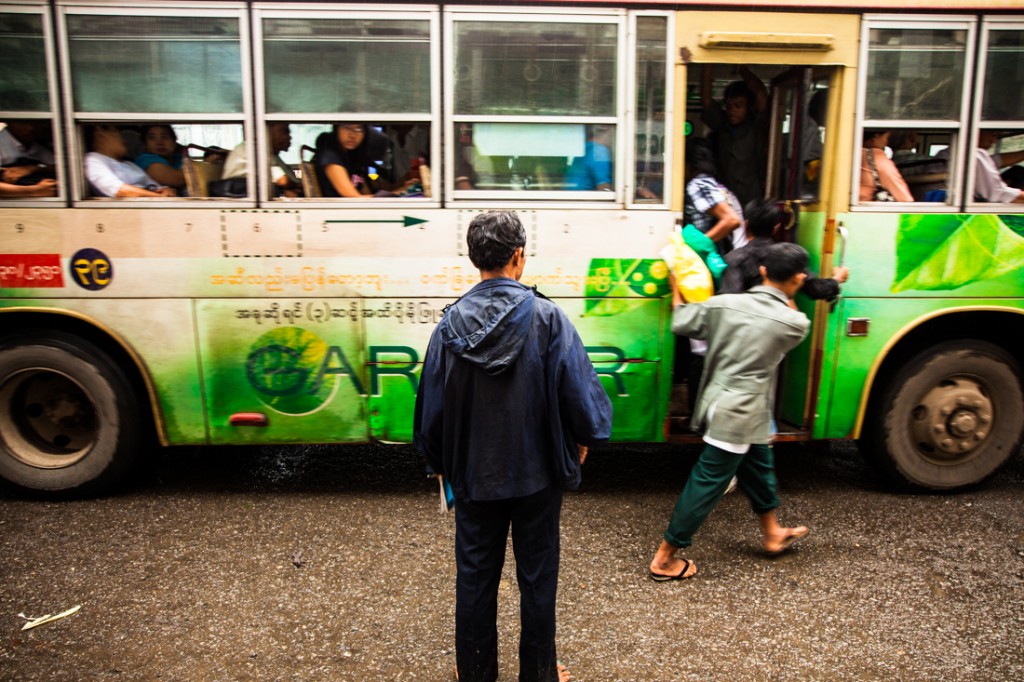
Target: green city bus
[[256, 308]]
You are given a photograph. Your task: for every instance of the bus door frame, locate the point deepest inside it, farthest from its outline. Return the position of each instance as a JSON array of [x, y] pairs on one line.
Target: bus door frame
[[798, 41]]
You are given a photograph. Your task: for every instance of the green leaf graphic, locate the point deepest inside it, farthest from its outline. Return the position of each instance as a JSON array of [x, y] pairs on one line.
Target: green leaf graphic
[[613, 284], [1014, 222], [919, 237], [947, 252]]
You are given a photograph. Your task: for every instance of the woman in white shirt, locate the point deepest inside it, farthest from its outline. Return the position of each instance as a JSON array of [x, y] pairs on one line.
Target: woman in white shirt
[[109, 175]]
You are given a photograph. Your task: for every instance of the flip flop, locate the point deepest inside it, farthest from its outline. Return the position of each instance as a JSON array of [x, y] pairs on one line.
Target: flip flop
[[787, 542], [681, 575]]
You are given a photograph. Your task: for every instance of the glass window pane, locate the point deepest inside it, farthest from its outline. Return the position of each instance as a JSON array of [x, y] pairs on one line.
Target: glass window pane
[[650, 108], [347, 66], [23, 63], [922, 156], [999, 178], [137, 64], [535, 156], [514, 68], [915, 74], [1004, 73]]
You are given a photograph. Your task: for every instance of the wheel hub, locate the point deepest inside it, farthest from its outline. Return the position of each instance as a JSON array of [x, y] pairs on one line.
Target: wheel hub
[[952, 420], [48, 419]]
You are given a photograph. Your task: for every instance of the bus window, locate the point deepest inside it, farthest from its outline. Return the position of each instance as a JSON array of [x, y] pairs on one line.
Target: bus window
[[999, 166], [999, 155], [913, 90], [651, 148], [380, 161], [27, 156], [370, 71], [180, 71], [535, 107], [536, 156]]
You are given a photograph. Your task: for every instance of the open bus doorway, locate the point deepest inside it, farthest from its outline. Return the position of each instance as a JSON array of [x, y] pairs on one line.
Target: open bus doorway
[[776, 149]]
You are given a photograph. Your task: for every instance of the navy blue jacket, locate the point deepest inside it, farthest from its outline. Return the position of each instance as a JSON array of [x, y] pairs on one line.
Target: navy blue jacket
[[506, 393]]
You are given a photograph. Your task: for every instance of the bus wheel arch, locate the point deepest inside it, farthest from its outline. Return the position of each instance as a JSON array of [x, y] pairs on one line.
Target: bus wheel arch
[[947, 412], [72, 419]]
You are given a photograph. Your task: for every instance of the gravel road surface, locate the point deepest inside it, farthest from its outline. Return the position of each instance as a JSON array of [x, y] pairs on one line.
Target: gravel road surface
[[334, 563]]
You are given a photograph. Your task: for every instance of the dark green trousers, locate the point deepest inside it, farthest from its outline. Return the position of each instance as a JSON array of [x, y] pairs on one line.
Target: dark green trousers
[[755, 472]]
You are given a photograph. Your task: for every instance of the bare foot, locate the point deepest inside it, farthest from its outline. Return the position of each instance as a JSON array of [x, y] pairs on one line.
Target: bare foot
[[779, 541]]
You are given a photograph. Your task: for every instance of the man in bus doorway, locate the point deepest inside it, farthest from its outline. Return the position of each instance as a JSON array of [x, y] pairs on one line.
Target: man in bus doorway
[[508, 404], [748, 335]]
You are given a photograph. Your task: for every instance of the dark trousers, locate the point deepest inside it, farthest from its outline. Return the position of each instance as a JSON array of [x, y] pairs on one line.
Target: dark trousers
[[710, 476], [481, 531]]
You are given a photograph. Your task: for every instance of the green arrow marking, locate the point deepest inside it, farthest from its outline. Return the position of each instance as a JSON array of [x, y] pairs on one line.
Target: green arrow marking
[[406, 221]]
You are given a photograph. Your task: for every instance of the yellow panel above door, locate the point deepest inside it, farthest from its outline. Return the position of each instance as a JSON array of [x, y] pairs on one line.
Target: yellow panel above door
[[777, 38]]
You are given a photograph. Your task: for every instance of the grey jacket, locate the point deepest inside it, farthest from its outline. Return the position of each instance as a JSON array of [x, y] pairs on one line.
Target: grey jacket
[[748, 335]]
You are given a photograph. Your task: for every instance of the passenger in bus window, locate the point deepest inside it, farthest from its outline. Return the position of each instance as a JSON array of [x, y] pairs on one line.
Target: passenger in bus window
[[466, 158], [343, 161], [26, 166], [593, 170], [162, 158], [989, 185], [109, 175], [236, 167], [409, 147], [348, 165], [880, 180], [908, 158], [925, 175], [740, 126]]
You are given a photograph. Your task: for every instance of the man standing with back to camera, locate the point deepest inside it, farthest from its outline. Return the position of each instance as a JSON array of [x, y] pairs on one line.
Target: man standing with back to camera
[[507, 406]]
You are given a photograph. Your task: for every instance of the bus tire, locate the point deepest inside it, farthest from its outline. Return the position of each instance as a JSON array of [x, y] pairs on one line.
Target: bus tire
[[70, 420], [949, 418]]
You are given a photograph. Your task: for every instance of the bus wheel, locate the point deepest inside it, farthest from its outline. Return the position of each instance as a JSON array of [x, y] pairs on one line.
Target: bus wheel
[[951, 417], [69, 417]]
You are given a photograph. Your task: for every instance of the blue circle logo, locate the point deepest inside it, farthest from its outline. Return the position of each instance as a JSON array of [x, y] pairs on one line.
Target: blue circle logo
[[91, 269]]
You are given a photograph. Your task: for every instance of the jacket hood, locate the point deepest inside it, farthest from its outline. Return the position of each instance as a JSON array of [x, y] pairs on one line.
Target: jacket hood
[[488, 326]]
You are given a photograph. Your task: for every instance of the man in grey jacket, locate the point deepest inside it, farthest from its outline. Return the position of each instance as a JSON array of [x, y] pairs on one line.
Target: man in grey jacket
[[507, 406], [748, 335]]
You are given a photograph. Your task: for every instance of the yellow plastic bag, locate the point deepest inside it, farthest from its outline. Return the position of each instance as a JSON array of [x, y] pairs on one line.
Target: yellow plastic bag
[[692, 276]]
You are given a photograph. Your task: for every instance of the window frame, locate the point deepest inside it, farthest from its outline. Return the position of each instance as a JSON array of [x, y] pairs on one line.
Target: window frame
[[988, 25], [42, 9], [632, 122], [76, 120], [956, 161], [429, 13], [554, 198]]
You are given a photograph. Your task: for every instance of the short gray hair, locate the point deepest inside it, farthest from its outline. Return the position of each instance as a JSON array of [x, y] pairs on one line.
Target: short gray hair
[[493, 238]]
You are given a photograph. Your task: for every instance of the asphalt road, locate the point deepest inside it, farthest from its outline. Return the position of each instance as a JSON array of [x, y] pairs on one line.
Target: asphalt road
[[321, 563]]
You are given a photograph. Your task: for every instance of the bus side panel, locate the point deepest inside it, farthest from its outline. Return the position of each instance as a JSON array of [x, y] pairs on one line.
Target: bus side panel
[[397, 332], [623, 338], [854, 357], [627, 349], [301, 362], [904, 268], [160, 334]]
